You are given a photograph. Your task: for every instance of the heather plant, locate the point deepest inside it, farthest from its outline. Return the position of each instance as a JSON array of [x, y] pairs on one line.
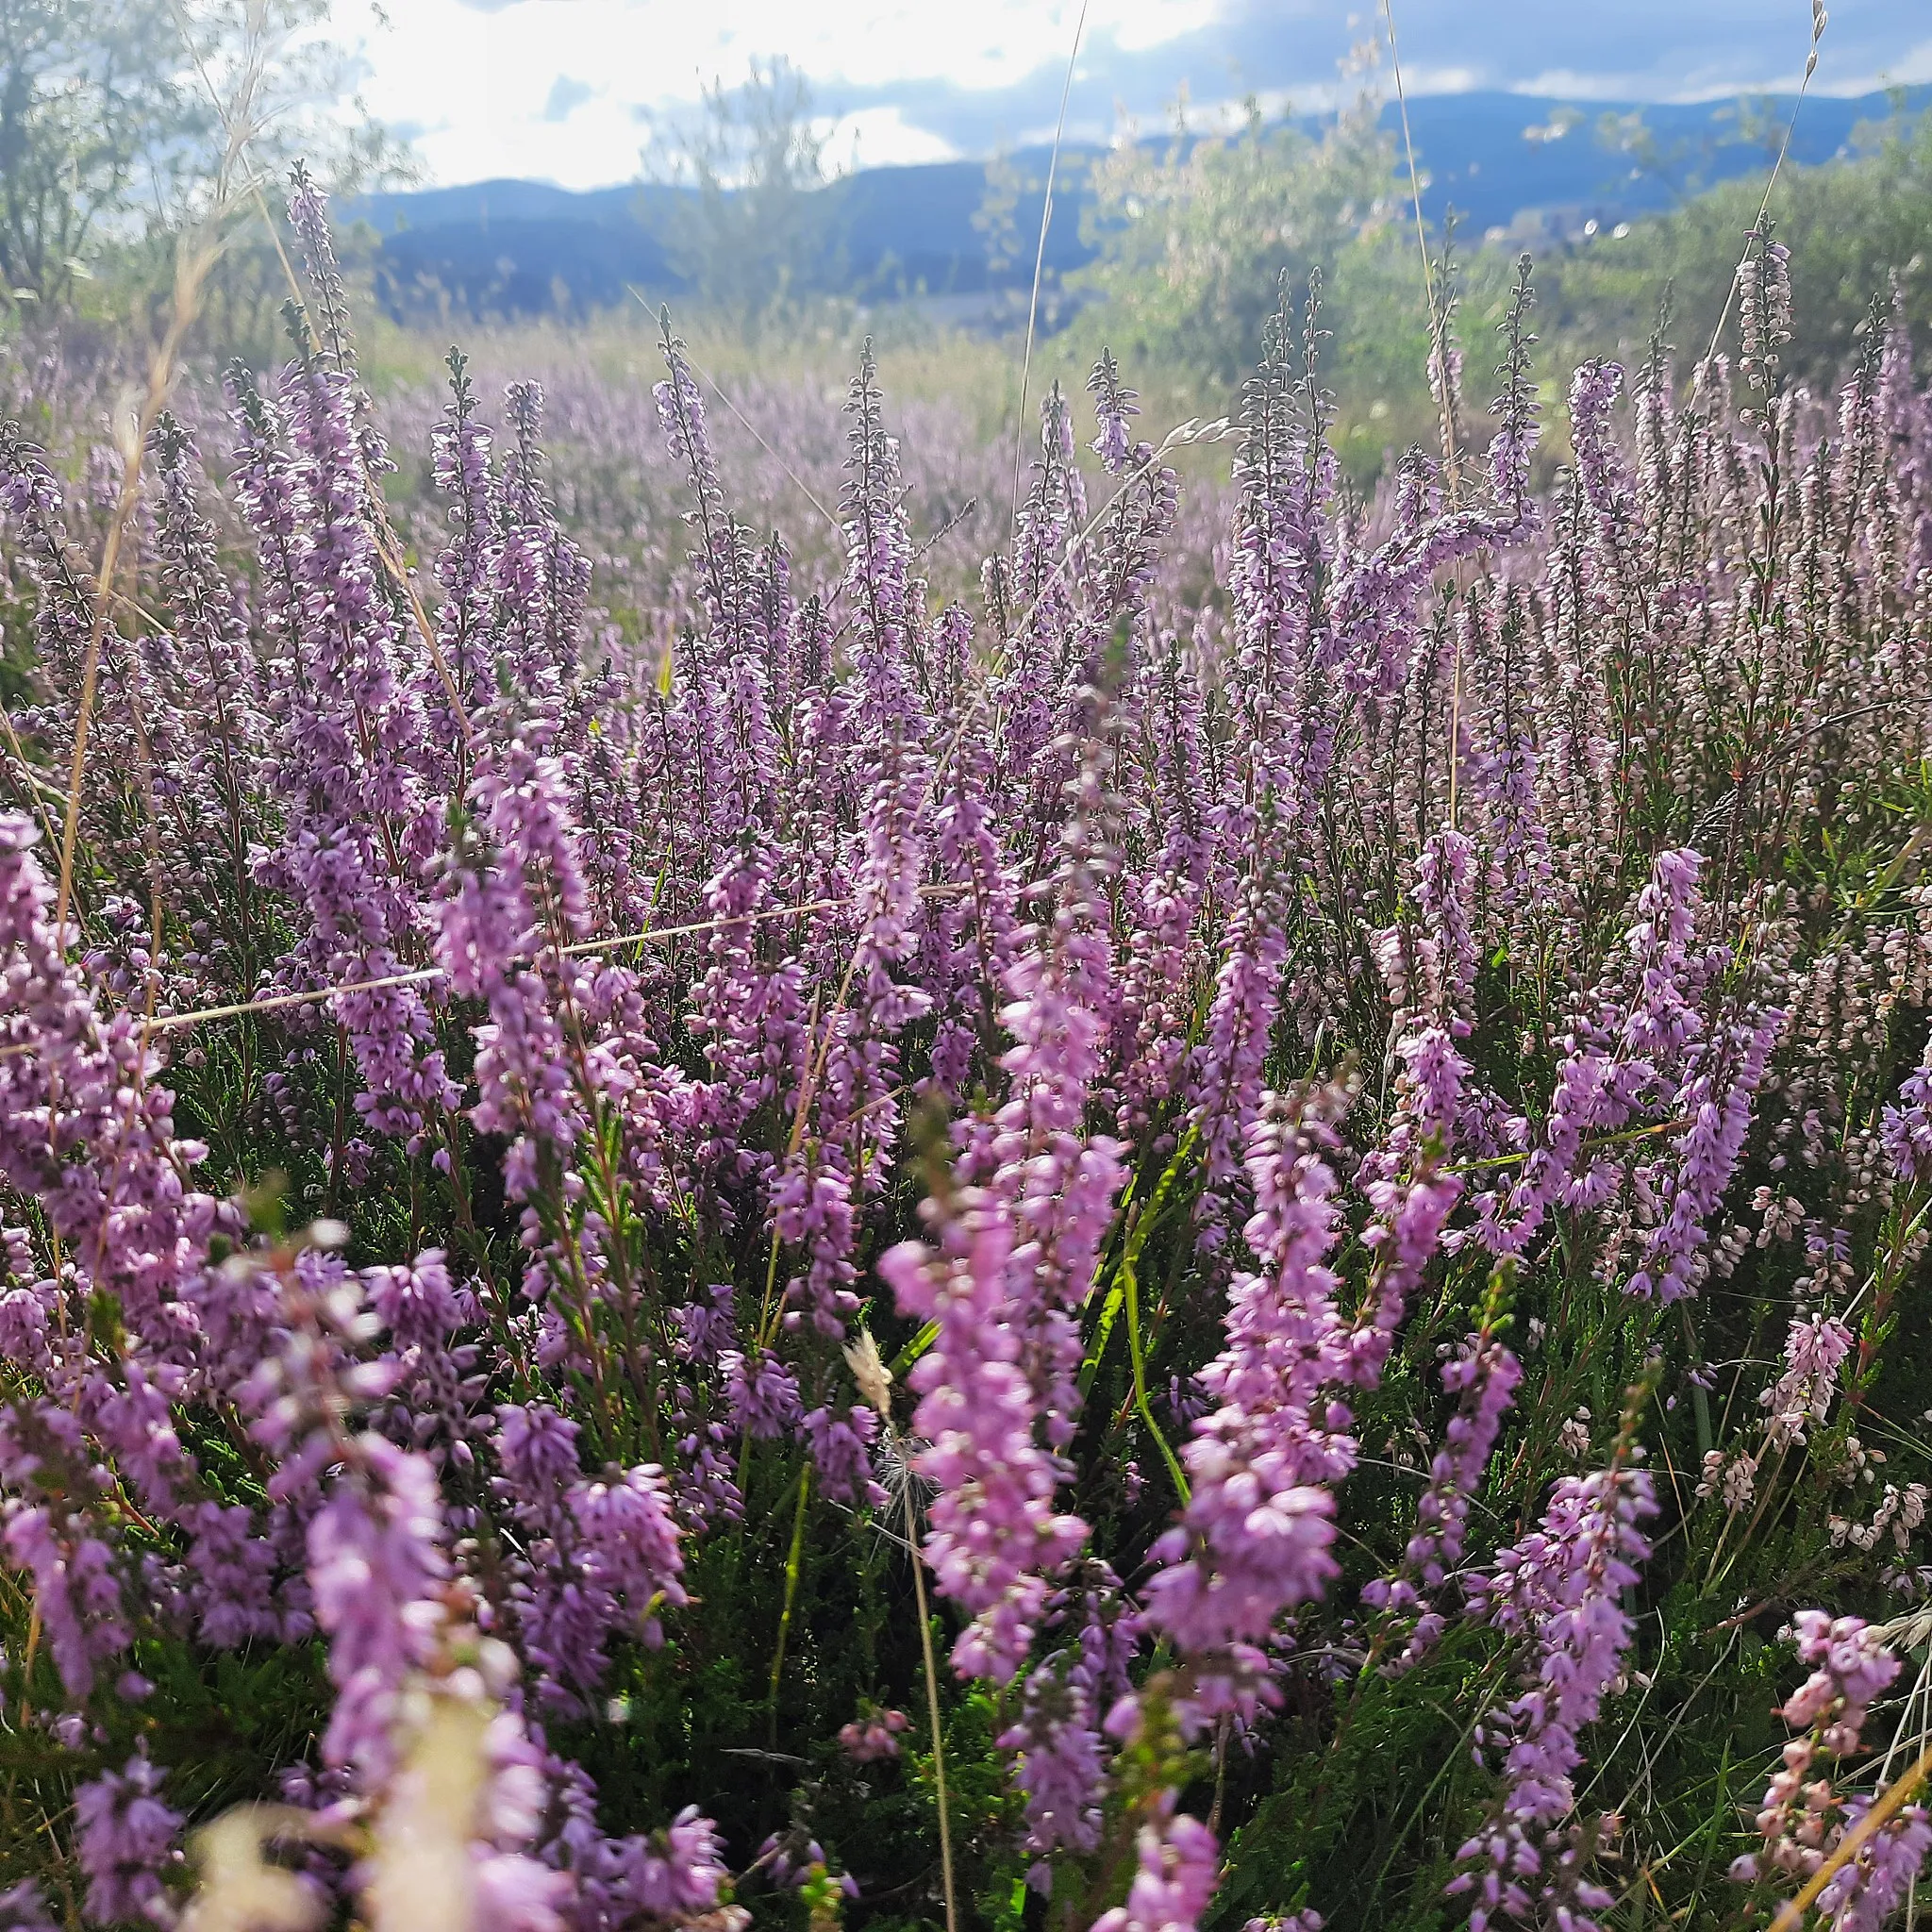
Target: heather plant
[[1223, 1223]]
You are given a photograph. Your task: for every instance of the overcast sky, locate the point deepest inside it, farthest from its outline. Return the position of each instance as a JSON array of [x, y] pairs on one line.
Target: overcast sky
[[555, 90]]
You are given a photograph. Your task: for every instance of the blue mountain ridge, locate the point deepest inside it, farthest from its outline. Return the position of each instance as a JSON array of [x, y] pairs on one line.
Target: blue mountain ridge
[[1532, 164]]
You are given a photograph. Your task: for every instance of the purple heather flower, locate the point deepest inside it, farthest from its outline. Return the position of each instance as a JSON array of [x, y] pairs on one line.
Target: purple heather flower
[[1254, 1537], [76, 1589], [1179, 1866], [602, 1554], [377, 1567], [1906, 1129], [124, 1840], [673, 1877], [1114, 405], [1062, 1761], [762, 1391], [1558, 1594], [23, 1909], [995, 1532]]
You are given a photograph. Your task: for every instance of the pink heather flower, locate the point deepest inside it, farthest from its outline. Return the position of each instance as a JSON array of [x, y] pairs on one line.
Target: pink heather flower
[[348, 761], [1061, 1183], [1410, 1217], [1254, 1539], [1602, 473], [1483, 1374], [974, 936], [718, 558], [1801, 1398], [1850, 1666], [513, 900], [1804, 1818], [995, 1532], [219, 766], [812, 1209], [1764, 305], [539, 577], [1227, 1078], [1443, 887], [1717, 1100], [1179, 1867], [746, 1010], [627, 1553], [233, 1565], [1628, 1060], [854, 1114], [125, 1214], [874, 1735], [1016, 1263]]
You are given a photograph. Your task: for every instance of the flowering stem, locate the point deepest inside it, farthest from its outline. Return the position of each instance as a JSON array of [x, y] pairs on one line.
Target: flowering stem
[[913, 1350]]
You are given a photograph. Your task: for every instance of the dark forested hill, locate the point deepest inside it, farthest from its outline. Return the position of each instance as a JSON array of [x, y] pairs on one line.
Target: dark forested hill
[[1505, 160]]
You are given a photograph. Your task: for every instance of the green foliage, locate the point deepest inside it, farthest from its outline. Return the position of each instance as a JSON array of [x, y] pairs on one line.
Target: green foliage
[[1851, 224]]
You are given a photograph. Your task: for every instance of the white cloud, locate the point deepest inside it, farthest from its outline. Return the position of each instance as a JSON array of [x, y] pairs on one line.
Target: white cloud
[[1913, 68], [881, 137], [921, 79], [1718, 81], [479, 81]]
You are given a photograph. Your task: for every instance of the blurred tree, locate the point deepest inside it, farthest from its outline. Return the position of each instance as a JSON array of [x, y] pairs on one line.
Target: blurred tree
[[99, 107], [748, 234], [108, 127], [995, 220]]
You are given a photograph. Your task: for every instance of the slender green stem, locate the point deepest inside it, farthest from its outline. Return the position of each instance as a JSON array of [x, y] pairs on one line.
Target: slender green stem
[[792, 1568], [1131, 1287], [932, 1711]]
